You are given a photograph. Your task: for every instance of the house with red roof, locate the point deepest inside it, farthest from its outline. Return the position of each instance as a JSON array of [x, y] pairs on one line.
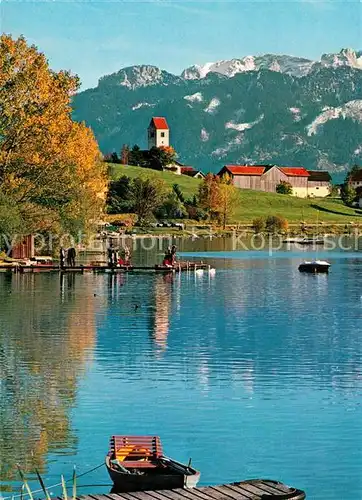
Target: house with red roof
[[268, 177], [191, 172], [158, 132]]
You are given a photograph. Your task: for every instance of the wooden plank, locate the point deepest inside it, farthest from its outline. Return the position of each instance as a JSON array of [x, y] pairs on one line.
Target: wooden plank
[[158, 495], [128, 496], [171, 495], [251, 488], [191, 494], [215, 494], [245, 485], [273, 488], [114, 496], [233, 494], [97, 497], [141, 495], [119, 496], [265, 485], [236, 495]]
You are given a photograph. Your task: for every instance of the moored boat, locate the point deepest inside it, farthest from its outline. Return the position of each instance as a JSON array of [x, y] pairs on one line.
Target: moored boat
[[315, 266], [305, 241], [137, 463], [312, 241]]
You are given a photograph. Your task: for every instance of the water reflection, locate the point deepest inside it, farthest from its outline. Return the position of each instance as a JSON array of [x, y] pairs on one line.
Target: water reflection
[[47, 337], [163, 289], [258, 356]]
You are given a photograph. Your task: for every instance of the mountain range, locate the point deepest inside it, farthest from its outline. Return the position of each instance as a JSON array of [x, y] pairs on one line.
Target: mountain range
[[258, 109]]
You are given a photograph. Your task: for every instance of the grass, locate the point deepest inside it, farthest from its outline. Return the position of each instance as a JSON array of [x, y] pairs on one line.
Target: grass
[[188, 185], [311, 210], [255, 204]]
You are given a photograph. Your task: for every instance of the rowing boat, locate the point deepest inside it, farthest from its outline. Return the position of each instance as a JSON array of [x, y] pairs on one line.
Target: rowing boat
[[137, 463]]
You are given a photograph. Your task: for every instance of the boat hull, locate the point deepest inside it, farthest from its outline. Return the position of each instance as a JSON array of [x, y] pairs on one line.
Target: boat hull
[[154, 480], [314, 268]]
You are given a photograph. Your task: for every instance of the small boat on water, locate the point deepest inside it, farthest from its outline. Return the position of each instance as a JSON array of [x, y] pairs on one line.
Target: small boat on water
[[293, 240], [314, 266], [305, 241], [312, 241], [137, 463]]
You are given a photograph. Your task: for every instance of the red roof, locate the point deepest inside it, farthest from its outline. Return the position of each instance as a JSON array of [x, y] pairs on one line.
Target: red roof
[[262, 169], [159, 122], [187, 169], [294, 171], [245, 169]]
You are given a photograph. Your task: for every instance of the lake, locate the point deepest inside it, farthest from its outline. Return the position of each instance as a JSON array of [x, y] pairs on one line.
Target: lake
[[253, 372]]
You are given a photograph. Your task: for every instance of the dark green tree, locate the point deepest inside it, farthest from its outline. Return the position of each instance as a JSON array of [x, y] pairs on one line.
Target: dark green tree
[[119, 196], [136, 156], [284, 187], [348, 194], [172, 208], [147, 195]]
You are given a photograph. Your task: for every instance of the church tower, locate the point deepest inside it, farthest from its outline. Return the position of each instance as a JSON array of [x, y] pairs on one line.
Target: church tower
[[158, 132]]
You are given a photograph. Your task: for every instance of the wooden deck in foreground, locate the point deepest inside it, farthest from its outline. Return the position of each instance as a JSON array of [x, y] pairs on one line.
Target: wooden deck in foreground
[[256, 489]]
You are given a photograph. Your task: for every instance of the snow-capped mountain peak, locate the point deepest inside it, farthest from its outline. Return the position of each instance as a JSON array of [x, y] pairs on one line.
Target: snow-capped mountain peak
[[294, 66], [346, 57]]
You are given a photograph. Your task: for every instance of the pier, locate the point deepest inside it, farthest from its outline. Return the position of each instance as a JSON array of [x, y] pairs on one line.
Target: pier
[[180, 267], [255, 489]]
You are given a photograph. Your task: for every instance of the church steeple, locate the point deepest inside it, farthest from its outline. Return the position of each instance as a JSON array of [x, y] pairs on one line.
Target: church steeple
[[158, 132]]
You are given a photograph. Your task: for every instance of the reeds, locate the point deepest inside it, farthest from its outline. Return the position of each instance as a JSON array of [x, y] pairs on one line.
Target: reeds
[[25, 486]]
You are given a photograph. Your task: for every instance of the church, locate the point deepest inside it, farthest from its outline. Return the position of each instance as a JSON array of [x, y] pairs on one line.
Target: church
[[158, 133]]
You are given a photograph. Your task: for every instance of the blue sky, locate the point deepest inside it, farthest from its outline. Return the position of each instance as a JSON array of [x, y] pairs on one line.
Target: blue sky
[[97, 38]]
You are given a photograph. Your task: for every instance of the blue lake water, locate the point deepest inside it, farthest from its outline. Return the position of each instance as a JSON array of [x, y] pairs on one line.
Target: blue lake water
[[253, 372]]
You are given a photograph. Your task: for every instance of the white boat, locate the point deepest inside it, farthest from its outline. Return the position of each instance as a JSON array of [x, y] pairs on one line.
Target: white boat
[[314, 266]]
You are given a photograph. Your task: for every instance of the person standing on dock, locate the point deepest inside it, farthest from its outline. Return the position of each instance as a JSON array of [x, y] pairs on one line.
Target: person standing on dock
[[62, 257], [110, 255], [115, 257], [71, 256]]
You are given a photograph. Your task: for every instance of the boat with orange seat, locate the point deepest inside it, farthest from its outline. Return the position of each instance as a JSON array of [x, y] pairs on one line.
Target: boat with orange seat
[[137, 463]]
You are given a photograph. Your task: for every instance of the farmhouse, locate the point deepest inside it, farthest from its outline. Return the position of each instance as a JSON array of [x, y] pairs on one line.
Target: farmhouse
[[319, 183], [267, 177], [191, 172], [356, 179]]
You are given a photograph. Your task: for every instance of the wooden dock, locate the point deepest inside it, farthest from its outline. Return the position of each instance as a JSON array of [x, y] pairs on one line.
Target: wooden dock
[[189, 266], [255, 489]]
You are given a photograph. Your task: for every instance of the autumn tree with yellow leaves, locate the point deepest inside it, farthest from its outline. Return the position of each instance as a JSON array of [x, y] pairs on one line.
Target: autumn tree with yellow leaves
[[218, 197], [51, 174]]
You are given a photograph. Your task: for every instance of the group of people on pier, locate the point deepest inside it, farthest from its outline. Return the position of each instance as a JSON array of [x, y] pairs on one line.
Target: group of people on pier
[[68, 256], [117, 257]]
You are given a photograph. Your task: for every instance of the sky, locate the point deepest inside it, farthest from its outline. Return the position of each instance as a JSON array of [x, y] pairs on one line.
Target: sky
[[95, 38]]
